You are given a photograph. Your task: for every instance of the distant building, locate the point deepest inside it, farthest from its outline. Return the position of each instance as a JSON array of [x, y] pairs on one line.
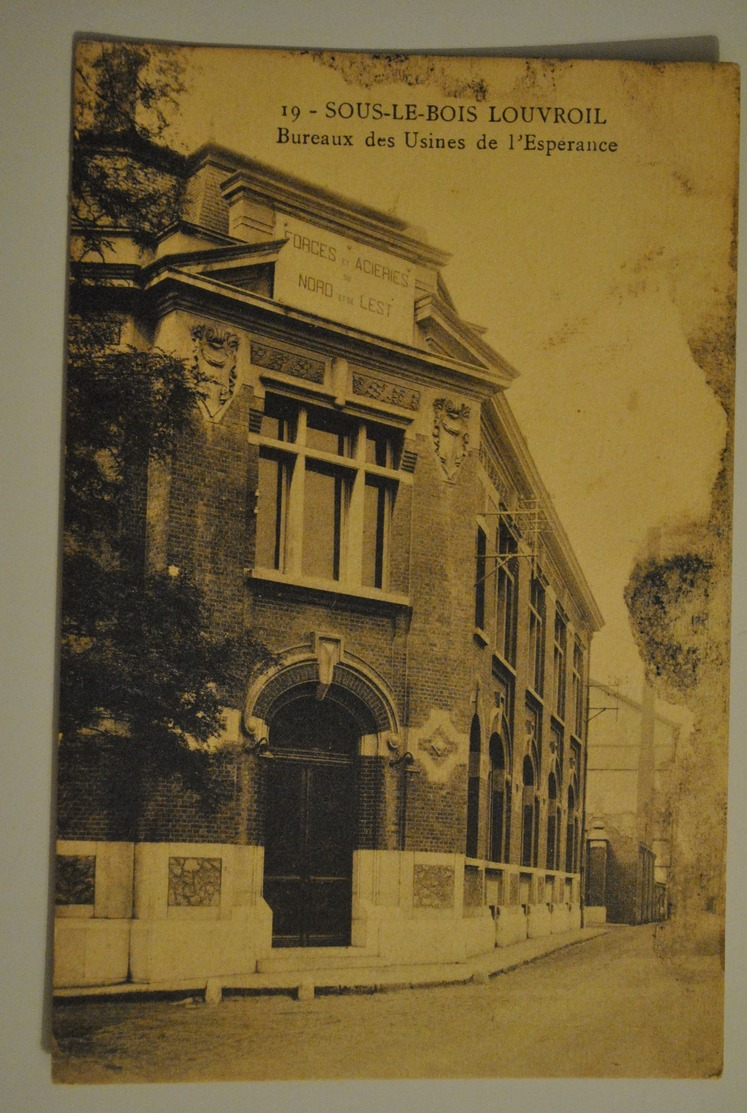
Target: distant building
[[406, 781], [628, 808]]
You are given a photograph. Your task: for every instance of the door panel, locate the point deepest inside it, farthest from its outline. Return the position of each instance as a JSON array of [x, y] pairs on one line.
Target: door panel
[[284, 804], [310, 828]]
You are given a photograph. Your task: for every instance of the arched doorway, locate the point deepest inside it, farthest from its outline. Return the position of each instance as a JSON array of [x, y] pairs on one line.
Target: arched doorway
[[311, 821]]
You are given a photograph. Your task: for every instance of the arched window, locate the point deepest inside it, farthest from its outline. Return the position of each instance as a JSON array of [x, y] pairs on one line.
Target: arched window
[[571, 839], [530, 815], [473, 788], [500, 802], [553, 824]]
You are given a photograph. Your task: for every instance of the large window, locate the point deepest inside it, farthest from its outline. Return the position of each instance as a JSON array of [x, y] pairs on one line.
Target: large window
[[500, 802], [571, 839], [529, 814], [326, 490], [506, 595], [480, 573], [553, 823], [473, 789], [579, 706], [560, 640], [536, 635]]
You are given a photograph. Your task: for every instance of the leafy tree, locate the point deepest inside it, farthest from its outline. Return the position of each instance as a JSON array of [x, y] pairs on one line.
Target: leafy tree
[[137, 651], [121, 177], [140, 664], [127, 87]]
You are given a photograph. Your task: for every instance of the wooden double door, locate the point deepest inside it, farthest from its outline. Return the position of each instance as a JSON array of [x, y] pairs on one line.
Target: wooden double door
[[311, 824]]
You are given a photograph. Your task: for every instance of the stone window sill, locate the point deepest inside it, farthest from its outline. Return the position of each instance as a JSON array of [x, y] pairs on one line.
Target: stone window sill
[[335, 589]]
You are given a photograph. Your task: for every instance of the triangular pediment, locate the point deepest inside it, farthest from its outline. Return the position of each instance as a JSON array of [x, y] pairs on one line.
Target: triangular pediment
[[227, 262], [448, 335], [248, 267]]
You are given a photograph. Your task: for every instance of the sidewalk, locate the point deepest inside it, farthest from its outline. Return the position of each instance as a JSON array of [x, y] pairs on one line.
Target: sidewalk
[[367, 975]]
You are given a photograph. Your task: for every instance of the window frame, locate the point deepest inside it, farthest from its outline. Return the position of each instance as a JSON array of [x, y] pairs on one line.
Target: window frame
[[297, 456], [481, 552], [577, 686], [506, 592], [559, 663], [537, 635]]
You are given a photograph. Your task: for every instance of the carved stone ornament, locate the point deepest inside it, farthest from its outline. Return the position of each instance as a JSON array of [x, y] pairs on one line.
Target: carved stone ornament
[[450, 434], [385, 391], [215, 364], [289, 364], [439, 745]]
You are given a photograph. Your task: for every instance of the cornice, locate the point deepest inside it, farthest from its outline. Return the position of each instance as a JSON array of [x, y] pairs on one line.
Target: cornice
[[431, 308], [176, 289], [208, 259], [499, 414], [302, 199]]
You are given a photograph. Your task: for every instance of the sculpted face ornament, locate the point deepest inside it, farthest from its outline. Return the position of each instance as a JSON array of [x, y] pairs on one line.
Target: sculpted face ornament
[[450, 434], [215, 362]]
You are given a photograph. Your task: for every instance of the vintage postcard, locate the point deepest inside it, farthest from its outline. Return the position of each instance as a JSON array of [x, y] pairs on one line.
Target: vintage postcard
[[396, 567]]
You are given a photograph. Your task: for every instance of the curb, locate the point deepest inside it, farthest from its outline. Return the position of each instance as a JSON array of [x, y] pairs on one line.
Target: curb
[[477, 970]]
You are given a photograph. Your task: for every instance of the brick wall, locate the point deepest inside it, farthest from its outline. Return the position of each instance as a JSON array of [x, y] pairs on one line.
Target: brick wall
[[108, 793], [95, 792], [207, 515], [172, 811], [440, 660]]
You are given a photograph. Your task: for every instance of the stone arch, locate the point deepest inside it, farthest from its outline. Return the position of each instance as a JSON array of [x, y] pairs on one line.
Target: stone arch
[[349, 683]]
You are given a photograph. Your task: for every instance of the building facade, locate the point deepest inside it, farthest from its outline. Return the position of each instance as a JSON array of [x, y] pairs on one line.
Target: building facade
[[629, 808], [405, 780]]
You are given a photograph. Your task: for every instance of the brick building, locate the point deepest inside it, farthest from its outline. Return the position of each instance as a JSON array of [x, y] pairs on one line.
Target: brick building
[[628, 808], [406, 779]]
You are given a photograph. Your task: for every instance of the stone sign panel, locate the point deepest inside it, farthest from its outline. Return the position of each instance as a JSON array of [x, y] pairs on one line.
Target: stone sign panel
[[335, 277]]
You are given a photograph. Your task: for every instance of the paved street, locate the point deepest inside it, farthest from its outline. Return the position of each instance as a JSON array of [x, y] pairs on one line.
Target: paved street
[[608, 1007]]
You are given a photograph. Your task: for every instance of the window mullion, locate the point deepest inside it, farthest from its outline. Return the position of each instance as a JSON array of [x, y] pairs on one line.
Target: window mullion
[[294, 539], [353, 536]]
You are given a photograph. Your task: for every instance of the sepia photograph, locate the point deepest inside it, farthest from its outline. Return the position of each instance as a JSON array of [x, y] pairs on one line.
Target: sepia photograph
[[396, 559], [374, 635]]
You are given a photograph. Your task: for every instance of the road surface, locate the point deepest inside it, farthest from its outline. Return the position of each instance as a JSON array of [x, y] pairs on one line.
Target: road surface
[[608, 1007]]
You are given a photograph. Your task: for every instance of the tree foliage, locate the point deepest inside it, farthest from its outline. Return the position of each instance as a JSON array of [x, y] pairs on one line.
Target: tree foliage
[[128, 88], [140, 662], [137, 649], [126, 95]]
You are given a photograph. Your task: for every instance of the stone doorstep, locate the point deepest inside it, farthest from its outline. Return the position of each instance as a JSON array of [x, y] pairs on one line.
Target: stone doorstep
[[285, 959], [364, 978]]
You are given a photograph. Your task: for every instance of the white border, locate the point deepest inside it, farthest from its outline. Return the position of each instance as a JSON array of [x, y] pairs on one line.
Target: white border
[[35, 51]]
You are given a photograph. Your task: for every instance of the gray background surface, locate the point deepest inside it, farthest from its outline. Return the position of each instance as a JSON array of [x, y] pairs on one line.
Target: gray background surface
[[35, 55]]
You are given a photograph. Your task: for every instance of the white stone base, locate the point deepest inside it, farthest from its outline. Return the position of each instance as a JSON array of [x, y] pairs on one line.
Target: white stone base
[[170, 949], [408, 908], [561, 918], [91, 951], [539, 921], [479, 934], [510, 925]]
